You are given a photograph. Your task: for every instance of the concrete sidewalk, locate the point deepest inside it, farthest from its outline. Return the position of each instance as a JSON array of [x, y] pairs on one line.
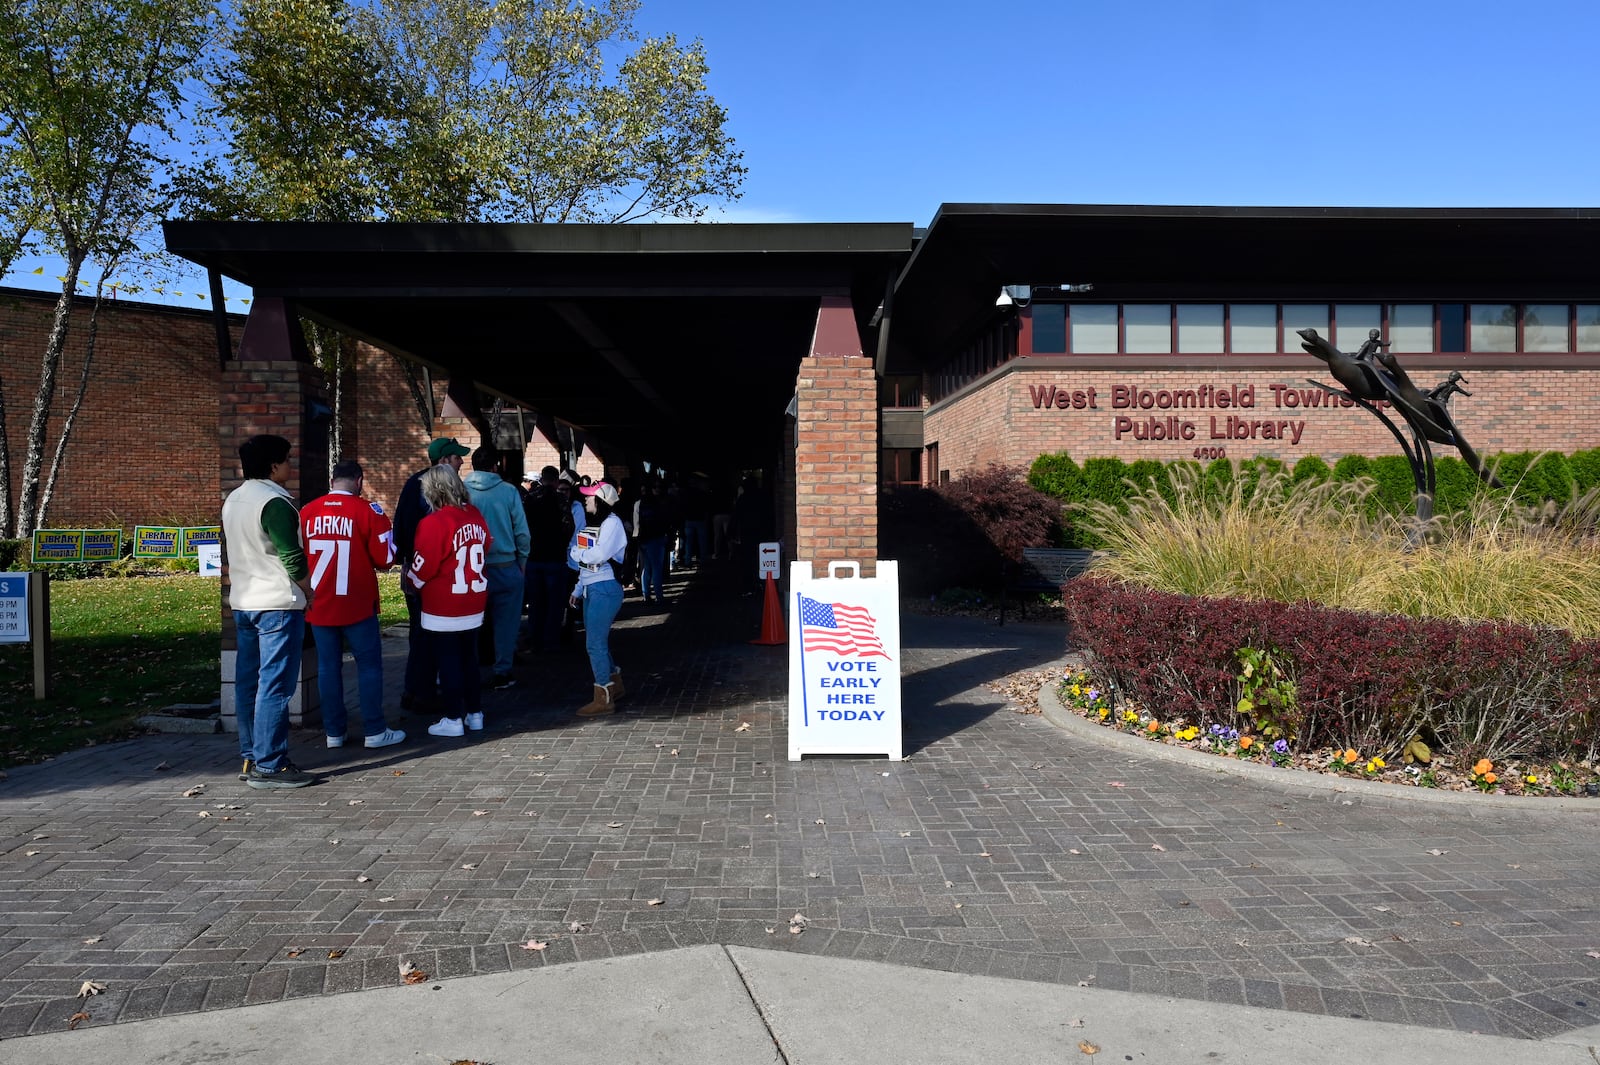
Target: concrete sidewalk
[[738, 1006]]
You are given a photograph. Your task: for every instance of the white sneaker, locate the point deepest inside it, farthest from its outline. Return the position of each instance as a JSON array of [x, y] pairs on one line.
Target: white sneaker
[[387, 738], [475, 722], [335, 741], [447, 726]]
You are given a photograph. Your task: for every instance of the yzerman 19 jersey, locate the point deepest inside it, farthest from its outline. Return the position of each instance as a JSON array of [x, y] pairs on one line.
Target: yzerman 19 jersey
[[447, 566]]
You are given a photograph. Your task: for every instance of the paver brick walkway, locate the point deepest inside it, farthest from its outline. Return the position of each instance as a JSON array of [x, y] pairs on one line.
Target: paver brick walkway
[[999, 847]]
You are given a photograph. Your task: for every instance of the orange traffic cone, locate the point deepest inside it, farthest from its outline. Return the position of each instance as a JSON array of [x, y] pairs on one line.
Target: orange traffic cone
[[771, 618]]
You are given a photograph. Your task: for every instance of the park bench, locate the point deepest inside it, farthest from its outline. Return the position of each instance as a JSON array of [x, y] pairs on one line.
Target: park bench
[[1042, 569]]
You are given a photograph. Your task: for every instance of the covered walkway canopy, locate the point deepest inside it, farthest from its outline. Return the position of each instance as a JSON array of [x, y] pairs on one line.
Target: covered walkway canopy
[[677, 343]]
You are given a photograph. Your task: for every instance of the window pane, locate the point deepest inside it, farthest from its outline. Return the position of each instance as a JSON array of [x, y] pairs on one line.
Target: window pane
[[1352, 321], [1544, 327], [1589, 327], [1094, 327], [1148, 327], [1452, 327], [1297, 316], [1200, 327], [1410, 327], [1494, 327], [1254, 326], [1049, 328]]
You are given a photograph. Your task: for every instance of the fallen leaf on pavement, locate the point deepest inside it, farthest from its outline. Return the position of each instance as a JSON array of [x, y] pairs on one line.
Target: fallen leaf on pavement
[[29, 854], [534, 944], [480, 813], [163, 767], [1088, 1048], [357, 802], [37, 838], [90, 988], [1075, 1023], [1115, 784], [820, 821], [1157, 847], [673, 751], [363, 879], [415, 976], [614, 824], [905, 835], [1074, 852], [771, 931], [542, 757], [1086, 981], [1358, 941], [1593, 953], [577, 926], [470, 865], [985, 854], [1436, 852], [654, 902], [295, 952], [398, 773], [387, 898], [334, 955], [204, 813], [192, 792], [334, 842], [94, 939], [744, 726], [76, 1019]]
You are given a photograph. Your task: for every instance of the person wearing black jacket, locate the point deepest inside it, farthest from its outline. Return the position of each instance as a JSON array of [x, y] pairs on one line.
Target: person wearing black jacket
[[422, 670], [547, 579]]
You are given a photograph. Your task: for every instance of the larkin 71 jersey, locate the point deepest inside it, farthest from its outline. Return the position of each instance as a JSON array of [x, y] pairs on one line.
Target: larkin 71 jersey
[[346, 540]]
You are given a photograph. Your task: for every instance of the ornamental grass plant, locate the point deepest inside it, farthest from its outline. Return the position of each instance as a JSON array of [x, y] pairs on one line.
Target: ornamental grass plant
[[1309, 540]]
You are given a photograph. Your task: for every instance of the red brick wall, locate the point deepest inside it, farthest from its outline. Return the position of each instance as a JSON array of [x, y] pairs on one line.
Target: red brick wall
[[142, 449], [996, 420], [836, 462]]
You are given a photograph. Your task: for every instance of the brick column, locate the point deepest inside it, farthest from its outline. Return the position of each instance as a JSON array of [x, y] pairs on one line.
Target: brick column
[[272, 388], [836, 446]]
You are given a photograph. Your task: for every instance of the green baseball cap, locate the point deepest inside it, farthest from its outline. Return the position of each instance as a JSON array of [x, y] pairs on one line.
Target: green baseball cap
[[445, 446]]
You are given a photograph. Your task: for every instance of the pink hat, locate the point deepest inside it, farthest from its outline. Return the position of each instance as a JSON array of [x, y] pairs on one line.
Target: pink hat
[[605, 491]]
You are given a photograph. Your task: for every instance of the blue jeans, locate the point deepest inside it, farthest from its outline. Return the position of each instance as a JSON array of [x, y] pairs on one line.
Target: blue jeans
[[457, 655], [266, 671], [693, 551], [363, 640], [601, 601], [546, 585], [652, 566], [504, 611]]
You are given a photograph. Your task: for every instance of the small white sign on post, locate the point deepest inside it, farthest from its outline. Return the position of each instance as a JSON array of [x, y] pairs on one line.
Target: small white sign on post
[[210, 556], [844, 661], [767, 556], [13, 608]]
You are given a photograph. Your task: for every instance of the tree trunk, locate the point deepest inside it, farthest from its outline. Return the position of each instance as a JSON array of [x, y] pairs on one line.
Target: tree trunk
[[42, 399], [77, 404], [5, 469], [419, 396]]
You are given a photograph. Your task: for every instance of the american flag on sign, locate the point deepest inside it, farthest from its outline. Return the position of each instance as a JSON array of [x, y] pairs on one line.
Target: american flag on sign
[[842, 629]]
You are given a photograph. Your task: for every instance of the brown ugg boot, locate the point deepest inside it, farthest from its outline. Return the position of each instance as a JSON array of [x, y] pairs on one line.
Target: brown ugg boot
[[617, 690], [600, 704]]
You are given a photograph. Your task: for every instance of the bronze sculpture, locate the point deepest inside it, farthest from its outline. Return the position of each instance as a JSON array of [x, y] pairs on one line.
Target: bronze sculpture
[[1373, 375]]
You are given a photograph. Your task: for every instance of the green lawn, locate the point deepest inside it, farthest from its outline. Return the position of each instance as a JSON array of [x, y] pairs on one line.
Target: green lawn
[[124, 646]]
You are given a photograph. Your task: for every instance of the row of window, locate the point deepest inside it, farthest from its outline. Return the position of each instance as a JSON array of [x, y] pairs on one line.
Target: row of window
[[1209, 328]]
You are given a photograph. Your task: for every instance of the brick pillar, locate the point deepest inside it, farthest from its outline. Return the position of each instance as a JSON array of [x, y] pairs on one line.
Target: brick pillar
[[272, 388], [836, 446]]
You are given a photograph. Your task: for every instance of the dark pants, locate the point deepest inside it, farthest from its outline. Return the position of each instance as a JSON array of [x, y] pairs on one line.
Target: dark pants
[[546, 585], [422, 664], [457, 655]]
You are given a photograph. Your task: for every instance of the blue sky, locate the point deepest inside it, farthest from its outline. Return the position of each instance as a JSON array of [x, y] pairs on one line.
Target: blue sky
[[880, 110]]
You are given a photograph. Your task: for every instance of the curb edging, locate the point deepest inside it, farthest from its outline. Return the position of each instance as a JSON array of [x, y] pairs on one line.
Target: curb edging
[[1051, 709]]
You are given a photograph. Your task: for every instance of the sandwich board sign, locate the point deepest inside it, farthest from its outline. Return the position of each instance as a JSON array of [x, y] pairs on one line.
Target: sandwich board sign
[[844, 661]]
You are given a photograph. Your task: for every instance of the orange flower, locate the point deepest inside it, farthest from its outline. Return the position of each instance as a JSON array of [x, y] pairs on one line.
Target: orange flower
[[1154, 726], [1351, 755], [1245, 742], [1483, 766], [1489, 778]]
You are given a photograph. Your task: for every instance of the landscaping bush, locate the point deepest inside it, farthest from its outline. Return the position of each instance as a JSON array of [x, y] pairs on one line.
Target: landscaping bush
[[963, 533], [1367, 681], [1312, 468], [1011, 513]]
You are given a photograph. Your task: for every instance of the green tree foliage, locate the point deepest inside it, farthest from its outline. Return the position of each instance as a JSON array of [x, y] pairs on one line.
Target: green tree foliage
[[87, 89], [1585, 467]]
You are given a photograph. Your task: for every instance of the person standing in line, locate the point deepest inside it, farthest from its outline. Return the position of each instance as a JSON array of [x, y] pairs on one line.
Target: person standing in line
[[447, 573], [600, 547], [696, 505], [501, 506], [270, 588], [420, 691], [348, 540], [547, 581], [653, 524]]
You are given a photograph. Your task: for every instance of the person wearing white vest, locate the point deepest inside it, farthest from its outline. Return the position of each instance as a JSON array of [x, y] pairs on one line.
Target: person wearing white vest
[[270, 590]]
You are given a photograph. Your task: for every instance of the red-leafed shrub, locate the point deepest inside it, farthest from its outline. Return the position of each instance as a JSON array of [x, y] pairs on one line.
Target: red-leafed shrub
[[1368, 681], [1012, 513]]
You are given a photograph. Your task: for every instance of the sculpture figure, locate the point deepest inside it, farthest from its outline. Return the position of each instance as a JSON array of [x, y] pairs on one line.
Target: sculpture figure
[[1373, 375]]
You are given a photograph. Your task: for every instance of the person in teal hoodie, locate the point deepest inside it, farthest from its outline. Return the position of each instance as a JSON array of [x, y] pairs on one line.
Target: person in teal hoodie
[[501, 505]]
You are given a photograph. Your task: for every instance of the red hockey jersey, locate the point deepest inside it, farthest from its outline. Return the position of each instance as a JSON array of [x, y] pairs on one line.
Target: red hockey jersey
[[346, 540], [447, 566]]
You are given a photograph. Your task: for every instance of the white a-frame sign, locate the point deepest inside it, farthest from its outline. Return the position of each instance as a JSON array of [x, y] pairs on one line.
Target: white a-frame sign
[[844, 661]]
